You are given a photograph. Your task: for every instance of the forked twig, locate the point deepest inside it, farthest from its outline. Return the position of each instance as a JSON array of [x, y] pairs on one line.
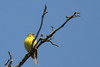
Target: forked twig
[[9, 62]]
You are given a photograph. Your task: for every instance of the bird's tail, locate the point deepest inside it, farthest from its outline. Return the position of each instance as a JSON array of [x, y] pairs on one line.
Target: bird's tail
[[34, 56], [35, 61]]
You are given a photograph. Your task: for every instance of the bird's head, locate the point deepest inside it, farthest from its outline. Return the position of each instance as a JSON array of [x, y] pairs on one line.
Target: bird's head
[[30, 35]]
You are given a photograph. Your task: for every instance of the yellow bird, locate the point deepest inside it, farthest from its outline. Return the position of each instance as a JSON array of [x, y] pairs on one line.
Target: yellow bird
[[28, 43]]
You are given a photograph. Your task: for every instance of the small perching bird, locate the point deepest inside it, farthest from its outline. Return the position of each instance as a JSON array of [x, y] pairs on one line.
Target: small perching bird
[[28, 45]]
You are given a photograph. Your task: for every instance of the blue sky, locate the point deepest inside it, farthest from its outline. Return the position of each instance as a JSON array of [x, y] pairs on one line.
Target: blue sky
[[78, 40]]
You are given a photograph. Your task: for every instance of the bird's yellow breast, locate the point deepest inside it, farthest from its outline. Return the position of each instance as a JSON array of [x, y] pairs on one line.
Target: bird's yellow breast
[[28, 43]]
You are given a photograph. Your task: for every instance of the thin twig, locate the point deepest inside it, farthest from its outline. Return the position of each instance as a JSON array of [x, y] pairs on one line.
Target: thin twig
[[52, 43], [9, 62], [44, 13], [52, 28], [11, 59]]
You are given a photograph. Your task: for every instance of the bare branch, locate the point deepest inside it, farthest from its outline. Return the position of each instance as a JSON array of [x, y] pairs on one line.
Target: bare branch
[[44, 13], [54, 31], [52, 43], [11, 59], [9, 62]]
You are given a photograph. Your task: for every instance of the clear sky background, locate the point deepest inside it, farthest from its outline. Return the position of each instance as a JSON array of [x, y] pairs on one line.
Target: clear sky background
[[79, 40]]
